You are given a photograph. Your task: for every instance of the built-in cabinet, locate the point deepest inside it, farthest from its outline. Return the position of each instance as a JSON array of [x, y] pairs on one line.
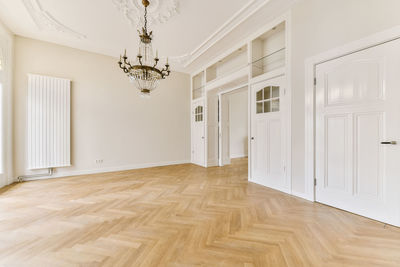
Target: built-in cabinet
[[261, 64]]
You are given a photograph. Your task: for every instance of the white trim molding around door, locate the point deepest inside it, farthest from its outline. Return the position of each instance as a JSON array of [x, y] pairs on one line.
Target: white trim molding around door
[[310, 78]]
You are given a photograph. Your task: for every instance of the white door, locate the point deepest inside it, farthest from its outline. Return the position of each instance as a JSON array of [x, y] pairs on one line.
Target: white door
[[224, 155], [357, 127], [198, 139], [268, 135]]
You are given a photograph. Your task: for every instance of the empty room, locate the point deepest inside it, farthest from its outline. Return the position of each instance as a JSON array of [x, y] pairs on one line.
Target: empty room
[[200, 133]]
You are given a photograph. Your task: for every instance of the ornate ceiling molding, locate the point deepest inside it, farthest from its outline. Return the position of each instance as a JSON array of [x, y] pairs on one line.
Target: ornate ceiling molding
[[46, 22], [183, 59], [159, 11]]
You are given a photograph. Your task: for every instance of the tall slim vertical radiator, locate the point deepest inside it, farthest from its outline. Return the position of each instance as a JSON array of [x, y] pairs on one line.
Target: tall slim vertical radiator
[[49, 123]]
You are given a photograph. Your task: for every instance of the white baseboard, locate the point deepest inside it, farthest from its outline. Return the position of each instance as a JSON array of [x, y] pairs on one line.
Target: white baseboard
[[303, 195], [212, 163], [287, 191], [235, 156], [110, 169]]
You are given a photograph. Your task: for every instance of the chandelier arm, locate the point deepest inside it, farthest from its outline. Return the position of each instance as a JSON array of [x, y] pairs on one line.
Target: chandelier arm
[[165, 73], [156, 62]]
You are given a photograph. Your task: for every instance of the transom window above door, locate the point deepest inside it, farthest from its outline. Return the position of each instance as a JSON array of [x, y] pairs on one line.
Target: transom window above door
[[198, 114], [267, 99]]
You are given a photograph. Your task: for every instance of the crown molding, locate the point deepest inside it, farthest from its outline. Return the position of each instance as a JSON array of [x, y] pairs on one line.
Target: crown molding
[[237, 18], [160, 11], [46, 22]]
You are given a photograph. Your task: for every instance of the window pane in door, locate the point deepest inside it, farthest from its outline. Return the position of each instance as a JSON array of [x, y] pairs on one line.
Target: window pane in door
[[275, 105], [267, 106], [259, 95], [275, 91], [267, 92], [259, 108]]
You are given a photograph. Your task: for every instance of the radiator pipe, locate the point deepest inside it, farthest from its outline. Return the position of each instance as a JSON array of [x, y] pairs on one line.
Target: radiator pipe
[[23, 177]]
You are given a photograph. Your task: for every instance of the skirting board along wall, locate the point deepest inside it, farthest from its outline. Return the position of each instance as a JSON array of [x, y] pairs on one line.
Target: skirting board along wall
[[110, 169], [236, 156]]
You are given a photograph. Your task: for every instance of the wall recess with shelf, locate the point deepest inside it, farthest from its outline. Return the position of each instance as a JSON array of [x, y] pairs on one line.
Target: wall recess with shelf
[[269, 51], [198, 85], [233, 62]]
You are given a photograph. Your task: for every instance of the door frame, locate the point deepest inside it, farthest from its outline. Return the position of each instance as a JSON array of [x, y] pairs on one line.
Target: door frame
[[228, 91], [310, 90]]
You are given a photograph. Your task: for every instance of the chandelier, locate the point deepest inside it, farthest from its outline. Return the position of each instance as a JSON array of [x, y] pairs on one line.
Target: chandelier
[[143, 72]]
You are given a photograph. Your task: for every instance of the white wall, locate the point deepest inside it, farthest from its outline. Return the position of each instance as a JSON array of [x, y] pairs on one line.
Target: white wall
[[238, 131], [110, 121], [320, 25], [6, 50]]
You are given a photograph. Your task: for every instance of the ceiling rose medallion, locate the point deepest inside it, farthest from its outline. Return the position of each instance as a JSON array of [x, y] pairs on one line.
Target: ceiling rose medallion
[[160, 11], [143, 72]]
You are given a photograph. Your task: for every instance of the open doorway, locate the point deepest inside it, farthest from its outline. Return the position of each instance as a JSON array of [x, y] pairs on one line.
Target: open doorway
[[233, 125]]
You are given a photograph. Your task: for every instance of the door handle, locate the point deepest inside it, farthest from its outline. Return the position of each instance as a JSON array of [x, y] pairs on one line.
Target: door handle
[[252, 138], [389, 143]]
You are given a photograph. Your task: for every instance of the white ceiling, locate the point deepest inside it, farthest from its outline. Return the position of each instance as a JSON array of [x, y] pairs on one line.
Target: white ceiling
[[99, 26]]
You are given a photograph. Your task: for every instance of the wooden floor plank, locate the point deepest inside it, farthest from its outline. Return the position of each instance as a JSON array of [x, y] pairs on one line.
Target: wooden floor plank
[[181, 215]]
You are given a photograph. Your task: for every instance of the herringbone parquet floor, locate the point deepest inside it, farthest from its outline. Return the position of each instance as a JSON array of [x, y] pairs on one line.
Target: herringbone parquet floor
[[181, 215]]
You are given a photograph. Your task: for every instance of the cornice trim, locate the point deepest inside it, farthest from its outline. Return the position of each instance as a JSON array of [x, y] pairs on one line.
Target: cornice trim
[[237, 18]]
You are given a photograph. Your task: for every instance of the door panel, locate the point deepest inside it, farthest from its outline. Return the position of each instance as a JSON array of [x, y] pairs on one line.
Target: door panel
[[356, 109], [267, 135], [274, 152], [259, 157], [354, 81], [336, 153], [368, 155]]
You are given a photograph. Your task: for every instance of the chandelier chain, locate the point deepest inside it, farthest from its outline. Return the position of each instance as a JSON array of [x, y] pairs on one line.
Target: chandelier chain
[[145, 18]]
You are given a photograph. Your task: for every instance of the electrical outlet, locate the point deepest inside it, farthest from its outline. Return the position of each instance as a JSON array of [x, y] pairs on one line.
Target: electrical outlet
[[99, 161]]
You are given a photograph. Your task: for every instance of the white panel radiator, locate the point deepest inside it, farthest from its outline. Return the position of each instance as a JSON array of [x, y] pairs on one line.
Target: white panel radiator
[[48, 122]]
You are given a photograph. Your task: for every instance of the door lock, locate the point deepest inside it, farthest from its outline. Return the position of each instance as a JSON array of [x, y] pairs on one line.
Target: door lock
[[252, 138]]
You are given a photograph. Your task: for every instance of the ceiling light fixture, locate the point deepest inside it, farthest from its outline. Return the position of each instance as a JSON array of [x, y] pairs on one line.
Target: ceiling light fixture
[[144, 72]]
